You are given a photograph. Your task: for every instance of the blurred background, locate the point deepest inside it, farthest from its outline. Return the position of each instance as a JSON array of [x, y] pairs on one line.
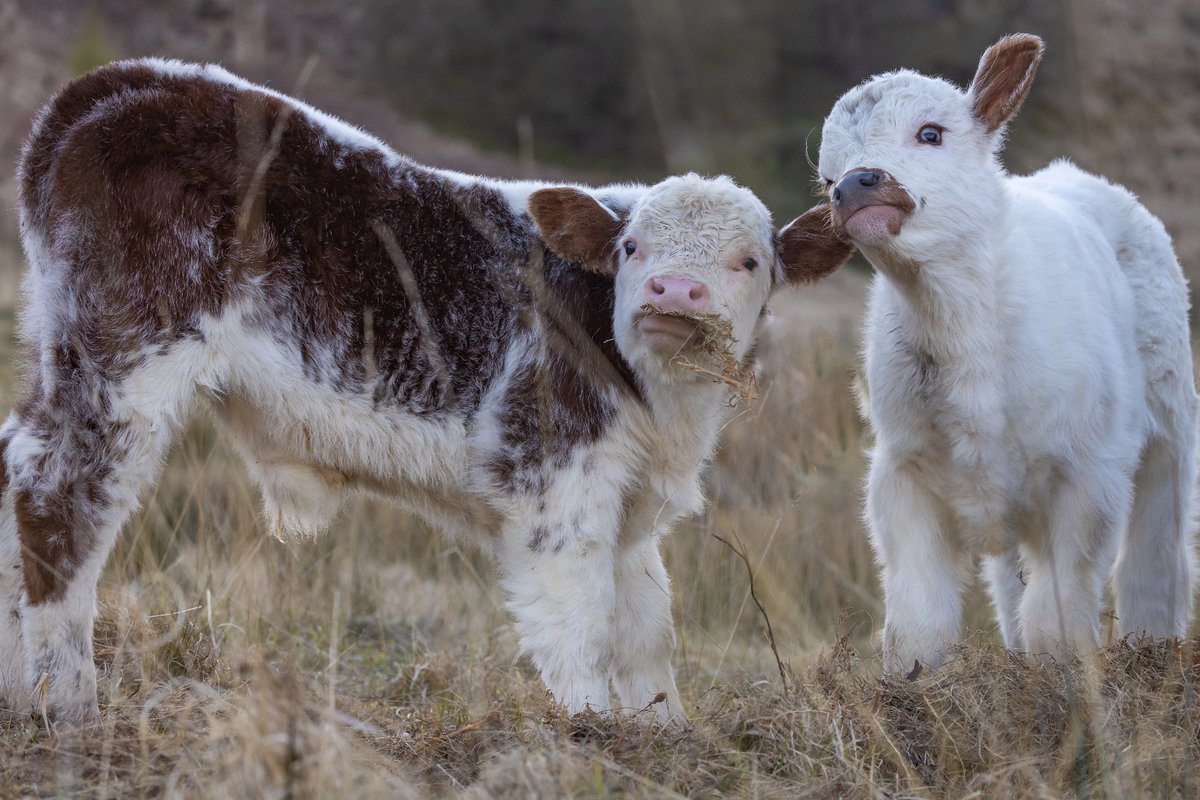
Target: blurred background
[[618, 89], [599, 91]]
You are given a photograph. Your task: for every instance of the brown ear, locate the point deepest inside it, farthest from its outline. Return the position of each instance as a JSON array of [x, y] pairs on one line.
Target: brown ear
[[1004, 78], [810, 248], [577, 227]]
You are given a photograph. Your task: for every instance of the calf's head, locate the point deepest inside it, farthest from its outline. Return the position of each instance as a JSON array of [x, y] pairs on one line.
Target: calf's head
[[907, 159], [692, 255]]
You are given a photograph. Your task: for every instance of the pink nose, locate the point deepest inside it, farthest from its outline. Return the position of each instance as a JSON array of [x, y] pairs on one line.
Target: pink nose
[[672, 293]]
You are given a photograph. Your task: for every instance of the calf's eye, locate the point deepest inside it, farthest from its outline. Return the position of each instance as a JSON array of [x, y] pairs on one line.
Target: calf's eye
[[930, 134], [749, 264], [630, 247]]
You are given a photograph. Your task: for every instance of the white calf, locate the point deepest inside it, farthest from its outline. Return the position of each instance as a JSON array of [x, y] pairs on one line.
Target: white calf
[[361, 322], [1028, 369]]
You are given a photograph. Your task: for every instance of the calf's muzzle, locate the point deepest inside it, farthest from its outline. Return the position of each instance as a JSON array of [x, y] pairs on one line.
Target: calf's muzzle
[[862, 188]]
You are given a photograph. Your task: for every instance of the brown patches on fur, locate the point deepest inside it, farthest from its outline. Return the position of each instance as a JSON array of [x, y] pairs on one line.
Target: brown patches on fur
[[1004, 78], [169, 195], [811, 247], [3, 467], [537, 541], [128, 175], [165, 197], [48, 548], [56, 513], [565, 394], [577, 227], [550, 409], [71, 105], [59, 493]]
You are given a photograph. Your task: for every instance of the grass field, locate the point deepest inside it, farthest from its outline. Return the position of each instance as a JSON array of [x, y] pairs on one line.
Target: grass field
[[378, 660]]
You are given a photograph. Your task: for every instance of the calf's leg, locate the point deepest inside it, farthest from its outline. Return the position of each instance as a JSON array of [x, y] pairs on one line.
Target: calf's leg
[[1152, 578], [561, 593], [645, 635], [14, 696], [1060, 607], [80, 456], [1002, 574], [924, 569]]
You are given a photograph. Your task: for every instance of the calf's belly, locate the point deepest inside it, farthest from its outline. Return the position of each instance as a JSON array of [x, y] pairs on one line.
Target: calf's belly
[[309, 451]]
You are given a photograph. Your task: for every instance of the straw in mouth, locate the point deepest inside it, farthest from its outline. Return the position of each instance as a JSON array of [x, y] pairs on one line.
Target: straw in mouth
[[713, 343]]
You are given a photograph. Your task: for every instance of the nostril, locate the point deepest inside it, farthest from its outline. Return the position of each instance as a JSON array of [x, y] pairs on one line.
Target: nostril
[[868, 179], [656, 287], [837, 195], [698, 292]]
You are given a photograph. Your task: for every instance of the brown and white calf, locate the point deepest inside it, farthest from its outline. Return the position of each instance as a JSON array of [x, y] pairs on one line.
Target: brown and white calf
[[360, 322]]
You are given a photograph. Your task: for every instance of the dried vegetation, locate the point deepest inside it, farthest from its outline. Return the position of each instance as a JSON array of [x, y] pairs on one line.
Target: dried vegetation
[[989, 724], [378, 662], [708, 352]]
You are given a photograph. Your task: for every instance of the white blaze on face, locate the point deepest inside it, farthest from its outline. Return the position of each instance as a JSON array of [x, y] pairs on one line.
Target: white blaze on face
[[692, 246]]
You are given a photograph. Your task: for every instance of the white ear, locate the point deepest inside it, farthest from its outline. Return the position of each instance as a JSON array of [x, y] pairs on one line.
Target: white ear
[[1004, 78]]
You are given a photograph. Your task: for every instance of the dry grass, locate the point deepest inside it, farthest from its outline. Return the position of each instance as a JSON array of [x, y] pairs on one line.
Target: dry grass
[[378, 661], [464, 720], [708, 352]]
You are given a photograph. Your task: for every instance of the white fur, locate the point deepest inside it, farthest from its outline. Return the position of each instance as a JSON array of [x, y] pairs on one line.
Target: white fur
[[1030, 386]]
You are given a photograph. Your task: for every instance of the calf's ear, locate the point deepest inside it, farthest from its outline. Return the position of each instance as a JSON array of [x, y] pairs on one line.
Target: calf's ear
[[577, 227], [810, 248], [1004, 78]]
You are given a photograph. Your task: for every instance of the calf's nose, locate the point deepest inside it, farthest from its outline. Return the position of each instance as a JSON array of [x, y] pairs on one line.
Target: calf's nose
[[852, 181], [674, 293]]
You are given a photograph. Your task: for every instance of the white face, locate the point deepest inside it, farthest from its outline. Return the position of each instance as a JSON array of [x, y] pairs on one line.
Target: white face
[[917, 136], [691, 246]]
